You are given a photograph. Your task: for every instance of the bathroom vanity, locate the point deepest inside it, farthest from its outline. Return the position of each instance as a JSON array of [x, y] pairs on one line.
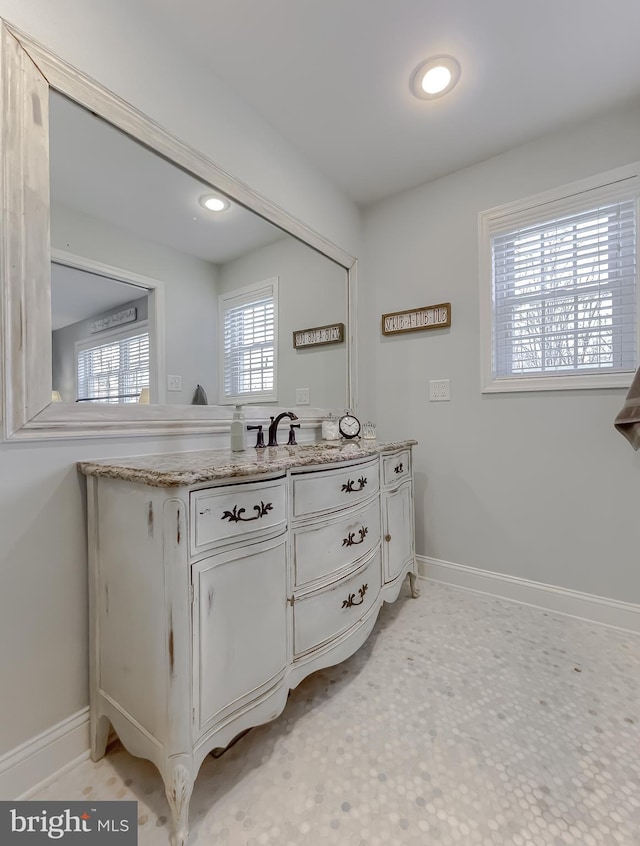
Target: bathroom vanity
[[219, 580]]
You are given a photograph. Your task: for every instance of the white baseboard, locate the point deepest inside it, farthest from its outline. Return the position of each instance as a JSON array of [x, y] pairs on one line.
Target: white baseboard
[[573, 603], [31, 766]]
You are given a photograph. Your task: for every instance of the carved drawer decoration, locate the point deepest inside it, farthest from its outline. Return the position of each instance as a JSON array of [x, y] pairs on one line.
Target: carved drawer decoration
[[236, 512], [323, 615], [351, 600], [330, 490]]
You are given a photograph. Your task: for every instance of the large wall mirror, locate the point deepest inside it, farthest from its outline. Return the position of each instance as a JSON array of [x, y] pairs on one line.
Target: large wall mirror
[[111, 258]]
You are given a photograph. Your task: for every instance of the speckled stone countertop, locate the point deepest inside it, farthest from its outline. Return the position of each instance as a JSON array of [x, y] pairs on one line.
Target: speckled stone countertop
[[189, 468]]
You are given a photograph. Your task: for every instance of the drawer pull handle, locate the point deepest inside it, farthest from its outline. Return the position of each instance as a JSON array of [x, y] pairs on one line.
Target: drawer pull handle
[[348, 487], [399, 468], [349, 541], [387, 538], [235, 516], [349, 602]]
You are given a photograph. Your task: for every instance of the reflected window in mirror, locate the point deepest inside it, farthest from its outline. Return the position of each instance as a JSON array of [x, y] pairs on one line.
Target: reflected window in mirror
[[116, 370], [248, 333]]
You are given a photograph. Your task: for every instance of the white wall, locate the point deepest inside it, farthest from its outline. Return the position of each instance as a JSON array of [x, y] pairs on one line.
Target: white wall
[[43, 591], [312, 291], [538, 485]]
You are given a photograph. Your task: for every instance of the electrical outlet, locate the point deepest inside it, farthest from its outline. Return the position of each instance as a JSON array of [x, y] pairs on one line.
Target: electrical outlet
[[302, 396], [174, 383], [439, 390]]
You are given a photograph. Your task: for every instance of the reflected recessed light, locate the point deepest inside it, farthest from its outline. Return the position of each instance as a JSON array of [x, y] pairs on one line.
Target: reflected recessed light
[[435, 77], [212, 202]]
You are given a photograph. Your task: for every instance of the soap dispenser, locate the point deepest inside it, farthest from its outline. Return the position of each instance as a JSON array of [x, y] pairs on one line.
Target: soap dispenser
[[238, 435]]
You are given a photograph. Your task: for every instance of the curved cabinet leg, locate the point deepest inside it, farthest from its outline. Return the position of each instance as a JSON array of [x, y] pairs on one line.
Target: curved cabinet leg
[[413, 587], [178, 787], [99, 735]]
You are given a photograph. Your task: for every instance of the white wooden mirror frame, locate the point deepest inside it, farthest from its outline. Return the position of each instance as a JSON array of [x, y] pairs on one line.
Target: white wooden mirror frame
[[28, 70]]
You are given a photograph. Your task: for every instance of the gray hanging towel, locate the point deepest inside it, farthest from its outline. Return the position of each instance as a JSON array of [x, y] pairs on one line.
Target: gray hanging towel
[[199, 396], [628, 420]]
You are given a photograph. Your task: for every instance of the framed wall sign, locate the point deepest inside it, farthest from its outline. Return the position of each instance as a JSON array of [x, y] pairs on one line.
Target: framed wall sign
[[416, 319], [331, 334]]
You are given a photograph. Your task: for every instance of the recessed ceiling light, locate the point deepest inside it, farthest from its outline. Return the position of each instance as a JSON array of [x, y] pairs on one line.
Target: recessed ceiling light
[[434, 77], [214, 203]]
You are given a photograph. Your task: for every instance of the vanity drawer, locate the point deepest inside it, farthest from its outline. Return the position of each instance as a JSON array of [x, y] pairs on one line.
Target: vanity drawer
[[396, 467], [236, 512], [323, 548], [321, 616], [329, 490]]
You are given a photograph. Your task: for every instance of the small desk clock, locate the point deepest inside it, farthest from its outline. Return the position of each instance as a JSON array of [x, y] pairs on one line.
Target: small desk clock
[[349, 425]]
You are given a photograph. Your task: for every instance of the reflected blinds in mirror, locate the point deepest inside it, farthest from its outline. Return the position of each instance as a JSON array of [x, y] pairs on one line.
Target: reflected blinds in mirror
[[249, 323], [114, 372]]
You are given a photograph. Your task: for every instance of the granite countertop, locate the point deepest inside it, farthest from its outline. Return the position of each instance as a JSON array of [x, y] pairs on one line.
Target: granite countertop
[[189, 468]]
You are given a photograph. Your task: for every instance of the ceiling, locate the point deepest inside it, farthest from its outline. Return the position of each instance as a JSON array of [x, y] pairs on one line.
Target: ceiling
[[78, 294], [332, 76], [102, 172]]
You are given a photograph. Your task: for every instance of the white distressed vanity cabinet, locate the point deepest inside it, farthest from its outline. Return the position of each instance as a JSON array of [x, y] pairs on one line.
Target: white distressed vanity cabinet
[[219, 580]]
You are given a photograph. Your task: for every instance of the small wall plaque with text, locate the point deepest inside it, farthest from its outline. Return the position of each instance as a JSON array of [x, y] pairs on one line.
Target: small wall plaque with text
[[416, 319], [331, 334], [127, 315]]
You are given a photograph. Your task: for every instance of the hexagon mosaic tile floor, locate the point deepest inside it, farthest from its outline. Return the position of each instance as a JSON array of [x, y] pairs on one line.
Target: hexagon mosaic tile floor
[[464, 720]]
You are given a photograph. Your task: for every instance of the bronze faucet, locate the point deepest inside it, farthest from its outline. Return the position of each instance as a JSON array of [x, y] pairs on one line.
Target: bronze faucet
[[273, 427]]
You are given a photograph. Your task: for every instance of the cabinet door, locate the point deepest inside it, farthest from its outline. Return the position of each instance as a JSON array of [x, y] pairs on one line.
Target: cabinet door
[[240, 628], [397, 533]]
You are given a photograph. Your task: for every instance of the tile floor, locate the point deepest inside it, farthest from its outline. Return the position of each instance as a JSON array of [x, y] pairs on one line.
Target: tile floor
[[463, 720]]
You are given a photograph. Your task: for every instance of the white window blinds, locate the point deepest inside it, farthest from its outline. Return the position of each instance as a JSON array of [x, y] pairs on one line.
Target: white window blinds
[[115, 371], [564, 291], [249, 337]]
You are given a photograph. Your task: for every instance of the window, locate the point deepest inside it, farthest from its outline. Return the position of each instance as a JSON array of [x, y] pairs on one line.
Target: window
[[559, 287], [248, 332], [115, 370]]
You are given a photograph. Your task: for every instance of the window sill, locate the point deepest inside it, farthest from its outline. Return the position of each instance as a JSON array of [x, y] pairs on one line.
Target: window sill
[[524, 384], [249, 399]]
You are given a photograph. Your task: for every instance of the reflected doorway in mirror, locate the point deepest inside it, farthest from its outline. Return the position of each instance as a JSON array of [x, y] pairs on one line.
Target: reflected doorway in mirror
[[97, 307]]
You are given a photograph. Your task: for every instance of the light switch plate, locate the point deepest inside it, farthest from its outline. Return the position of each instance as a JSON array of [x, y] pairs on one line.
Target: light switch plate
[[174, 383], [439, 390], [302, 396]]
